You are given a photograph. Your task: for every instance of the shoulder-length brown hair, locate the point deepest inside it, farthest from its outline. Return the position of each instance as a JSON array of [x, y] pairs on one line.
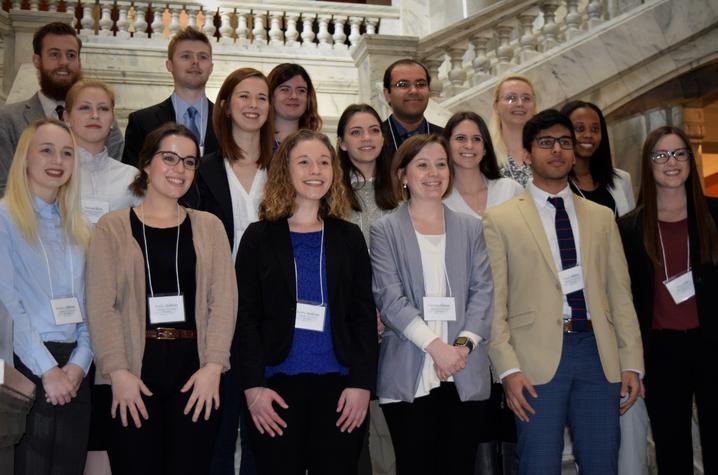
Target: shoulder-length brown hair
[[707, 235], [283, 73], [279, 194], [222, 122]]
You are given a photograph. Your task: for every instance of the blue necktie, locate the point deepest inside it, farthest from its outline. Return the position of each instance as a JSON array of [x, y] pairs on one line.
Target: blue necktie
[[567, 249], [192, 124]]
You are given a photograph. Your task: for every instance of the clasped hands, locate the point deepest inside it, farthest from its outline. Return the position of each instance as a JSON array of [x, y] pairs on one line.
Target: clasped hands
[[448, 359]]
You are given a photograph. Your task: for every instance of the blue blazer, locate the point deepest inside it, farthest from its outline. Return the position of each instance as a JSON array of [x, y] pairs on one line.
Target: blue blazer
[[398, 285]]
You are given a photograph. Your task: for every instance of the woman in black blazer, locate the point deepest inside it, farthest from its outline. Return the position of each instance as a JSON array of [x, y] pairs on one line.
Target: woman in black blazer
[[669, 240], [307, 332]]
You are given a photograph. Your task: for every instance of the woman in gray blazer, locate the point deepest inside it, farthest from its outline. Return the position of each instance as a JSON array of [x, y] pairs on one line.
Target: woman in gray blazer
[[437, 307]]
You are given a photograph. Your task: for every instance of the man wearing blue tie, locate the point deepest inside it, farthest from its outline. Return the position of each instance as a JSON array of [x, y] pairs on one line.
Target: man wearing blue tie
[[565, 338]]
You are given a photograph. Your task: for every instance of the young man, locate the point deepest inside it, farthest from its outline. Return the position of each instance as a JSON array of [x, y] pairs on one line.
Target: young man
[[189, 60], [565, 338], [56, 56]]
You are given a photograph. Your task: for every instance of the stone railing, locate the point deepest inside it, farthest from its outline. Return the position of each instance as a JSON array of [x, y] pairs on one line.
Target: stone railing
[[307, 24], [506, 34]]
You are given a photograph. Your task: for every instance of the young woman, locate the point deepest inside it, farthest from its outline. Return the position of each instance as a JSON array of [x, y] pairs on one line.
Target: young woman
[[43, 237], [307, 322], [514, 105], [437, 307], [162, 316], [671, 246], [594, 176], [294, 100]]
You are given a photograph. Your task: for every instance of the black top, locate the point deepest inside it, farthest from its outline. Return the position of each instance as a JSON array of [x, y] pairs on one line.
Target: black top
[[600, 195], [389, 148], [162, 243]]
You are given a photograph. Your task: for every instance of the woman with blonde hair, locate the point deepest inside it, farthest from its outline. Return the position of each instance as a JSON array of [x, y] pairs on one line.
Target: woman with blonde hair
[[43, 238], [306, 329], [514, 105]]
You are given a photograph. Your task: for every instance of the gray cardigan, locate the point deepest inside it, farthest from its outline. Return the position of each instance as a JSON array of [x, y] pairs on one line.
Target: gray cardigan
[[398, 284]]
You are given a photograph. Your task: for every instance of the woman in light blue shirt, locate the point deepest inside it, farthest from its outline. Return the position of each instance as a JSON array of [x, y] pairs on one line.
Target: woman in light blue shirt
[[43, 237]]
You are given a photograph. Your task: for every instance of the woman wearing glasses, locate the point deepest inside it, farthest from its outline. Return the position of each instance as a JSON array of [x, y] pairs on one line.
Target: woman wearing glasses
[[671, 246], [514, 105], [162, 303]]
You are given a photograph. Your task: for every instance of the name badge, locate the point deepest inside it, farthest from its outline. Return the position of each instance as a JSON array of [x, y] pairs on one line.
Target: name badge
[[571, 279], [166, 309], [66, 310], [94, 209], [439, 309], [681, 287], [310, 317]]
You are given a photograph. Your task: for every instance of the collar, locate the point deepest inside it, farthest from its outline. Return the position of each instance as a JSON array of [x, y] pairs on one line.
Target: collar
[[44, 209], [403, 134], [181, 106], [541, 197], [48, 105], [86, 158]]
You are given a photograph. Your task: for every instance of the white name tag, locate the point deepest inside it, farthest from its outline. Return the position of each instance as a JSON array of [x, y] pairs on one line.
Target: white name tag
[[571, 279], [66, 310], [681, 287], [310, 317], [166, 309], [95, 209], [439, 309]]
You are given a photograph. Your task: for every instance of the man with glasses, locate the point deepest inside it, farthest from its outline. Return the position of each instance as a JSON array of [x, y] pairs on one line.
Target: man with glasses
[[565, 339], [406, 90]]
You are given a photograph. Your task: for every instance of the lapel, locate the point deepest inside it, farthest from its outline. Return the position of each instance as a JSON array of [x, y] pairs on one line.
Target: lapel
[[165, 111], [33, 110], [281, 246], [215, 176], [455, 251], [334, 256], [209, 133], [583, 216], [412, 254], [528, 211]]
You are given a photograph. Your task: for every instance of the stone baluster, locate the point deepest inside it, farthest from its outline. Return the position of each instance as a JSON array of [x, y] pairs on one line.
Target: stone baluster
[[192, 12], [105, 20], [307, 31], [208, 27], [457, 75], [276, 35], [292, 34], [527, 41], [371, 24], [323, 36], [16, 5], [550, 28], [174, 25], [354, 30], [123, 24], [87, 22], [433, 65], [573, 19], [34, 5], [504, 51], [140, 21], [158, 26], [70, 8], [339, 36], [226, 32], [242, 29], [259, 33], [594, 10], [51, 5], [481, 62]]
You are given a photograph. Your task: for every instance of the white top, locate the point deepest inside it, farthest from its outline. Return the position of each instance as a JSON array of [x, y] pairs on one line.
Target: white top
[[245, 206], [622, 192], [498, 191], [104, 184]]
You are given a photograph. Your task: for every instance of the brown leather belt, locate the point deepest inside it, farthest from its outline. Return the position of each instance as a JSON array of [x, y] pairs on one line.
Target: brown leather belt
[[568, 327], [162, 333]]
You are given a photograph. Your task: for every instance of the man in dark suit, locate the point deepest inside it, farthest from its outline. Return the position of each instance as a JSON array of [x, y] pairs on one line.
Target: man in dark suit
[[406, 89], [56, 55], [189, 60]]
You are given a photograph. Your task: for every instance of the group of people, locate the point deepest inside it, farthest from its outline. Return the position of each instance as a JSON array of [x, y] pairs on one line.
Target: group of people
[[446, 299]]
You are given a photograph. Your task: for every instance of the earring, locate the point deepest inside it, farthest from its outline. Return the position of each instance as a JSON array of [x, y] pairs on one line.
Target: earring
[[404, 186]]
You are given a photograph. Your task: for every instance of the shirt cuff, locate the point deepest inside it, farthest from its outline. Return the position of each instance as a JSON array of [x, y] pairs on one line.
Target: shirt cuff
[[508, 373], [419, 333], [44, 361], [475, 339], [640, 373], [82, 357]]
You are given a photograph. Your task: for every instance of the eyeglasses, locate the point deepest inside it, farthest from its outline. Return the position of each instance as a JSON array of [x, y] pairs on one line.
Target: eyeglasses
[[548, 142], [172, 159], [662, 156], [515, 98], [406, 84]]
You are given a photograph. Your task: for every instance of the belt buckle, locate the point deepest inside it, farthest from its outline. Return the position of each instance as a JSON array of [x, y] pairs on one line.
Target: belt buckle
[[166, 333], [568, 327]]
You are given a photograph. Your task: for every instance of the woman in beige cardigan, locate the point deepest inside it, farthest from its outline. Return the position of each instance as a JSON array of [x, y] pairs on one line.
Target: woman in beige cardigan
[[162, 304]]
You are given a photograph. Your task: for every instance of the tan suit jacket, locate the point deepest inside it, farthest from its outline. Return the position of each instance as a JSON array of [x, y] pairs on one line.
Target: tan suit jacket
[[527, 331]]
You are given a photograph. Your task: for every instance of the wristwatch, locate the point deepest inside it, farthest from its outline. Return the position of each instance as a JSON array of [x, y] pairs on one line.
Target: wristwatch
[[464, 341]]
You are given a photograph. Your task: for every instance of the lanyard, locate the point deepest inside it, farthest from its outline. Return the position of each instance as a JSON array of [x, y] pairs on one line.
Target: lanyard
[[663, 252], [147, 251], [49, 276], [321, 281], [580, 192], [393, 137]]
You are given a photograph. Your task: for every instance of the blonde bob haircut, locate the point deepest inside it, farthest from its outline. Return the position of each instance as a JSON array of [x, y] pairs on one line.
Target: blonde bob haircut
[[81, 85], [18, 196], [496, 128], [279, 193]]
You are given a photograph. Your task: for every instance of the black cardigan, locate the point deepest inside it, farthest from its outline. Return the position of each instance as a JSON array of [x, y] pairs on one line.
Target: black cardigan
[[267, 304]]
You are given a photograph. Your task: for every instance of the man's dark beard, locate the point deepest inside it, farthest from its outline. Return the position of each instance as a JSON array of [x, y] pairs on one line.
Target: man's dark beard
[[54, 90]]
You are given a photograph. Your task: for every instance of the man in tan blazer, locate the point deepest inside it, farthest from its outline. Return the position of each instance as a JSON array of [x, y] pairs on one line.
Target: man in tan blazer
[[565, 338]]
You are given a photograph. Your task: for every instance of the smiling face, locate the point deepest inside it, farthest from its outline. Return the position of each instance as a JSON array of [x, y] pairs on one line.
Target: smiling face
[[249, 104], [191, 64], [523, 106], [466, 145], [409, 104], [50, 161], [310, 170], [551, 166], [166, 180], [363, 139], [587, 126], [58, 64], [672, 174], [290, 98], [91, 117], [427, 176]]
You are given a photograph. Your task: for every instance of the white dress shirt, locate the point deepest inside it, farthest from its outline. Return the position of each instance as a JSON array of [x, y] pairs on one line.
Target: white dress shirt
[[245, 206]]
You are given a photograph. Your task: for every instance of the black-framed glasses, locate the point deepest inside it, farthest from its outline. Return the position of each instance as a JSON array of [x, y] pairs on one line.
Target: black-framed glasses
[[679, 154], [548, 142], [406, 84], [172, 159]]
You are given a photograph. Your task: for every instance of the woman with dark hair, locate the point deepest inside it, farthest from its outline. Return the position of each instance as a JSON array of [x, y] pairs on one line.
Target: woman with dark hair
[[294, 100], [593, 175], [433, 287], [671, 246], [307, 323], [162, 303]]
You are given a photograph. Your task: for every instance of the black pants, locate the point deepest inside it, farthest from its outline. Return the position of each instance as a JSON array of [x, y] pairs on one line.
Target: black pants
[[435, 434], [55, 440], [679, 366], [311, 442], [168, 442]]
